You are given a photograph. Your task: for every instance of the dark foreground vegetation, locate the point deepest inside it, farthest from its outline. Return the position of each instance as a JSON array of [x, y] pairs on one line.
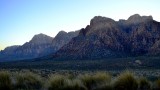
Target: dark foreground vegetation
[[82, 81], [142, 62]]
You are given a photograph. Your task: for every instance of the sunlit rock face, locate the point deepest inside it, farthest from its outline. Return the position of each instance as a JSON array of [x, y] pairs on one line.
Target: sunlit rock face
[[104, 37]]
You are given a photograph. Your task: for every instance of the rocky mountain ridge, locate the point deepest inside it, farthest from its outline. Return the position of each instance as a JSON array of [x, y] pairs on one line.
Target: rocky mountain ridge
[[104, 37], [40, 45]]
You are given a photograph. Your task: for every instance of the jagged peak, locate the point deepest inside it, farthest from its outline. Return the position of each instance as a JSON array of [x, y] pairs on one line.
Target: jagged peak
[[61, 33], [40, 38], [41, 35], [100, 19], [136, 18]]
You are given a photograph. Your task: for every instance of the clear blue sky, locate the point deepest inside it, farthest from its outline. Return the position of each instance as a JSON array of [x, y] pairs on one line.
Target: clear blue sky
[[20, 20]]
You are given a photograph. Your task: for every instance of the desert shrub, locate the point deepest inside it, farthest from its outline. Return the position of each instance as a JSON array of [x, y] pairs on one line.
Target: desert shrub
[[126, 81], [74, 84], [60, 82], [28, 81], [97, 80], [104, 87], [87, 80], [5, 81], [144, 84], [102, 77], [156, 85], [56, 82]]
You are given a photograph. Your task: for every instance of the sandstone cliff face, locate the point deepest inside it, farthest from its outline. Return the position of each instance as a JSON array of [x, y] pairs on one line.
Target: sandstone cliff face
[[40, 45], [104, 37], [63, 38], [9, 50]]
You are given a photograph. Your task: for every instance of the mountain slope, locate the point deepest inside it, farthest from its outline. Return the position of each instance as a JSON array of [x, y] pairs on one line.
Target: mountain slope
[[63, 38], [40, 45], [104, 37]]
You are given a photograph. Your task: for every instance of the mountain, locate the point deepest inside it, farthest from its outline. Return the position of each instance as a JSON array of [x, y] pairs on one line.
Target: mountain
[[104, 37], [63, 38], [10, 49], [40, 45], [7, 52]]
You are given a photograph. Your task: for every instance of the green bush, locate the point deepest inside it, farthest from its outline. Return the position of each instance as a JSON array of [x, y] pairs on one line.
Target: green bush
[[5, 81], [126, 81], [28, 81], [144, 84], [97, 80]]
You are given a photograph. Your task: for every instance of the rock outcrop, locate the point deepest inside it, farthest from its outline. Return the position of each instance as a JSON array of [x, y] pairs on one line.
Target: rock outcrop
[[63, 38], [40, 45], [104, 37]]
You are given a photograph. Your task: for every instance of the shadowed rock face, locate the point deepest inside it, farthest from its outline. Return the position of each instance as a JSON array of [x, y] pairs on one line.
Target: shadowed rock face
[[104, 37], [40, 45], [63, 38], [41, 39], [136, 19], [10, 50]]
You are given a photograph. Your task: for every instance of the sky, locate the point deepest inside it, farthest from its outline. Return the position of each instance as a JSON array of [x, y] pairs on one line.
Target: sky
[[20, 20]]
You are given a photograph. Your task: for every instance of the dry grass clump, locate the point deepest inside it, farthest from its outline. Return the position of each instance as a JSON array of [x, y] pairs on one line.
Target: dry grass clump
[[5, 81], [97, 80], [156, 85], [60, 82], [56, 82], [74, 84], [28, 81], [144, 84], [126, 81], [86, 81]]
